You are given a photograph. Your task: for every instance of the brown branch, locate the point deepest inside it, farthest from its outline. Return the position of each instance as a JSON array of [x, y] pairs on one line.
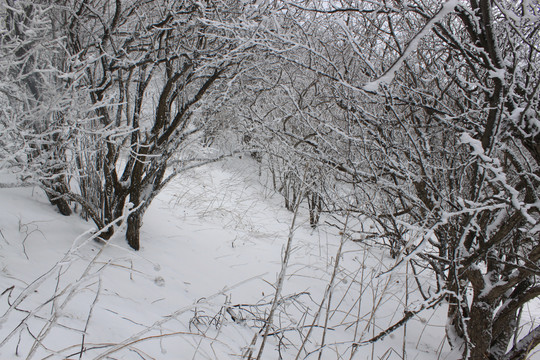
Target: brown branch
[[180, 115], [524, 346], [400, 323], [164, 98]]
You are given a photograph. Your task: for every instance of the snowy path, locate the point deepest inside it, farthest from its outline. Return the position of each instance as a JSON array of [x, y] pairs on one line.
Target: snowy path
[[212, 240]]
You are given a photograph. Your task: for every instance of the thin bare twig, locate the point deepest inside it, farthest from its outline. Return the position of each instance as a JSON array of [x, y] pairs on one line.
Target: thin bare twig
[[281, 277]]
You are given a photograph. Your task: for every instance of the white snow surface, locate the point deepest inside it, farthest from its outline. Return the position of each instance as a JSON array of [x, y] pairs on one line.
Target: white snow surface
[[211, 251]]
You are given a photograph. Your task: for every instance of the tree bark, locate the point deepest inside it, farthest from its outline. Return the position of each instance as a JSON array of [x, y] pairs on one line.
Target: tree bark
[[133, 230], [522, 349], [61, 203], [480, 329]]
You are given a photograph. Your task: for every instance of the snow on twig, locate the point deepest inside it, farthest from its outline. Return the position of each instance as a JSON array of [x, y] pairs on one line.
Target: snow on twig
[[388, 76]]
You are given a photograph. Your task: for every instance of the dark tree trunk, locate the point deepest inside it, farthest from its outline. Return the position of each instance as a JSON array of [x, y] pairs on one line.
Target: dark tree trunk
[[62, 204], [480, 329], [134, 219], [133, 230], [315, 208]]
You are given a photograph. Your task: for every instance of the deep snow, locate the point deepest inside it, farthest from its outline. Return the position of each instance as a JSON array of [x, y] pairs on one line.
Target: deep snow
[[202, 283]]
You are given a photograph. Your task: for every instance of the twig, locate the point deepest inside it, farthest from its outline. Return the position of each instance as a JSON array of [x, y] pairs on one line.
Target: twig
[[89, 316], [281, 277], [397, 325], [139, 336], [325, 296], [330, 286]]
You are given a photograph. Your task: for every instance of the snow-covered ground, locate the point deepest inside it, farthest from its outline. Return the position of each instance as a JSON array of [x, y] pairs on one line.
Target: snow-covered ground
[[202, 285]]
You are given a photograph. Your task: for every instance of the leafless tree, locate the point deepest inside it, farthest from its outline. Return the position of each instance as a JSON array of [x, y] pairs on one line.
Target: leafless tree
[[34, 98], [150, 78], [434, 131]]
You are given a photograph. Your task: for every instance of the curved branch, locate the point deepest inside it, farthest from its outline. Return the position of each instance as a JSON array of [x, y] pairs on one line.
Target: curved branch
[[524, 346]]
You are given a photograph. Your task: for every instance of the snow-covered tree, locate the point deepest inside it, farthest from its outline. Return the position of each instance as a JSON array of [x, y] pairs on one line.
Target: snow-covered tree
[[434, 133], [144, 85], [155, 75], [36, 101]]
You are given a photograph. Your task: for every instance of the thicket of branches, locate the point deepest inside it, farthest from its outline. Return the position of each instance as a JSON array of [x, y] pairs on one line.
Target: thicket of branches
[[114, 92], [421, 116], [424, 118]]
